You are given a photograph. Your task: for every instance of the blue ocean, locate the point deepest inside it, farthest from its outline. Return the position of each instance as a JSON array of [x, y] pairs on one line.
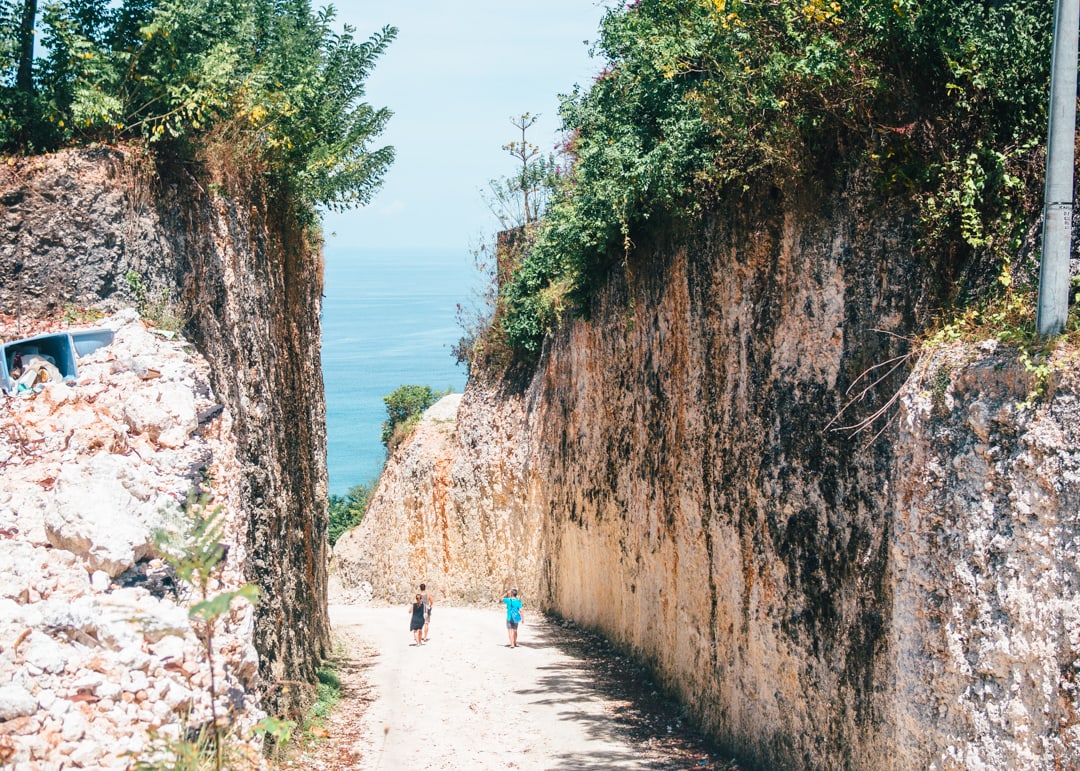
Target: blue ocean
[[388, 320]]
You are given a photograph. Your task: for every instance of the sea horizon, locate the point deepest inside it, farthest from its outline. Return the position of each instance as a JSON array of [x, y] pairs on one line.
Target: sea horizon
[[388, 319]]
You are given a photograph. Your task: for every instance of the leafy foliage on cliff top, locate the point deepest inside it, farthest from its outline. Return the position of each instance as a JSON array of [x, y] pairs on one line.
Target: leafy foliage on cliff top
[[272, 79], [404, 406], [943, 99]]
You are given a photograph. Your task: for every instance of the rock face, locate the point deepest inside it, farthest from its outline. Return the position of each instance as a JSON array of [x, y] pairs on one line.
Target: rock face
[[984, 646], [109, 227], [731, 469], [96, 645], [446, 512]]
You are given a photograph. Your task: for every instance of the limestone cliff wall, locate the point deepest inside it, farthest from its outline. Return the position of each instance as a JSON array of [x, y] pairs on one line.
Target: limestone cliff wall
[[893, 598], [984, 642], [735, 470], [698, 506], [110, 226], [448, 511]]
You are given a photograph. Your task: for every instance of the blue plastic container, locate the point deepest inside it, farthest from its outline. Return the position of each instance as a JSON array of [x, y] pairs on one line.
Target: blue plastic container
[[62, 348]]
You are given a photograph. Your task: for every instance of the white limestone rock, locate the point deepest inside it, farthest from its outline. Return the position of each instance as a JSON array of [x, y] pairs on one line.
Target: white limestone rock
[[99, 580], [80, 496], [45, 653], [16, 701], [104, 512], [19, 567], [166, 413], [154, 619], [75, 726], [169, 648]]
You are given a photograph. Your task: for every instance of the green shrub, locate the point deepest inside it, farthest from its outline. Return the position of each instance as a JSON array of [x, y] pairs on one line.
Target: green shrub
[[483, 347], [403, 409]]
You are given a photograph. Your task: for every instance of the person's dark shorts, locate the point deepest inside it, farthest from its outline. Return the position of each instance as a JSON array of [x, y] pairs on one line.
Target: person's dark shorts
[[511, 624]]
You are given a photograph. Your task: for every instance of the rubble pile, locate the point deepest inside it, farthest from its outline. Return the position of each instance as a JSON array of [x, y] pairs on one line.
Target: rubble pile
[[99, 660]]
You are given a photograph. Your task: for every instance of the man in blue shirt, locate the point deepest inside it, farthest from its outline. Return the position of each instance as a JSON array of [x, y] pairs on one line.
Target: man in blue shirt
[[514, 615]]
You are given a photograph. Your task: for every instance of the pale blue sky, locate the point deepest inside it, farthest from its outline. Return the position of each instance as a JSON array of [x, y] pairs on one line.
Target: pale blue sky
[[457, 72]]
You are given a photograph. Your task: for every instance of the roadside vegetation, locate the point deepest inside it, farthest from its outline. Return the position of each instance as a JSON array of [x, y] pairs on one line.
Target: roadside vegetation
[[346, 511], [193, 546], [942, 101]]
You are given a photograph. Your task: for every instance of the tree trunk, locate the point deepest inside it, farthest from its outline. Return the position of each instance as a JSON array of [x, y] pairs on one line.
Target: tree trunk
[[24, 80]]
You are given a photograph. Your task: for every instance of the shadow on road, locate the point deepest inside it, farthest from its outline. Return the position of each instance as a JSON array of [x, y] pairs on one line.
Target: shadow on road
[[638, 708]]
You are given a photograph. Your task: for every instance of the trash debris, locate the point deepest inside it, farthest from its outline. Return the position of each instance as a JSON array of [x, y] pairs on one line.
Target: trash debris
[[27, 365]]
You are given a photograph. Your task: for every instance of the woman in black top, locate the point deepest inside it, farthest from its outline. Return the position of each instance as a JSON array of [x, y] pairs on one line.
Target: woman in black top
[[416, 623]]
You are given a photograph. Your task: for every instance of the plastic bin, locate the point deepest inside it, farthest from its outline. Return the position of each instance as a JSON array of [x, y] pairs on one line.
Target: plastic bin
[[62, 347]]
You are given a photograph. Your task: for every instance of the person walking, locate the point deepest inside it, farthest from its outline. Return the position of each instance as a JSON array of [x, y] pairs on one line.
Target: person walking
[[428, 602], [514, 615], [416, 620]]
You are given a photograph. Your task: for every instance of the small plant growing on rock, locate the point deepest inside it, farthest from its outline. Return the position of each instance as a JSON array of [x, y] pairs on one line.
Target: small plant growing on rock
[[158, 309], [77, 314], [196, 552]]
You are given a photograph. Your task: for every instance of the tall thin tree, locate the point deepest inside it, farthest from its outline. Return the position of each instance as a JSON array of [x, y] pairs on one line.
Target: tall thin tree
[[526, 153]]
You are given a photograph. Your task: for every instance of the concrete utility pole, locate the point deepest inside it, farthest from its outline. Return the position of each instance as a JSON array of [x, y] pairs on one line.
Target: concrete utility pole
[[1058, 202]]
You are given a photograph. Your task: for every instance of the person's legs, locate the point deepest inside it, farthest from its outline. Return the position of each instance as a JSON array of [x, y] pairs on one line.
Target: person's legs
[[427, 624]]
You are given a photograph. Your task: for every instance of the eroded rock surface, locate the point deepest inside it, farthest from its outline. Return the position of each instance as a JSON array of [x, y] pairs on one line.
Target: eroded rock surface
[[985, 642], [737, 469]]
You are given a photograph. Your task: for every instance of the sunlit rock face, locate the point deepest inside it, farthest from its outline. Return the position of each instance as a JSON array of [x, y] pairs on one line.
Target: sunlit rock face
[[447, 511], [733, 469], [698, 505], [893, 595], [112, 227]]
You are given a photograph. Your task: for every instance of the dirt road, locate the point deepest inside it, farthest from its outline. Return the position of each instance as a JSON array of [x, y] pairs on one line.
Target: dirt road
[[465, 701]]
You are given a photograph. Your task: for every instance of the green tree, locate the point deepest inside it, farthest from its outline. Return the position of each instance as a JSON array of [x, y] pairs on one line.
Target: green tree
[[403, 409], [24, 78], [303, 106], [20, 104], [194, 547], [273, 82], [346, 511]]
